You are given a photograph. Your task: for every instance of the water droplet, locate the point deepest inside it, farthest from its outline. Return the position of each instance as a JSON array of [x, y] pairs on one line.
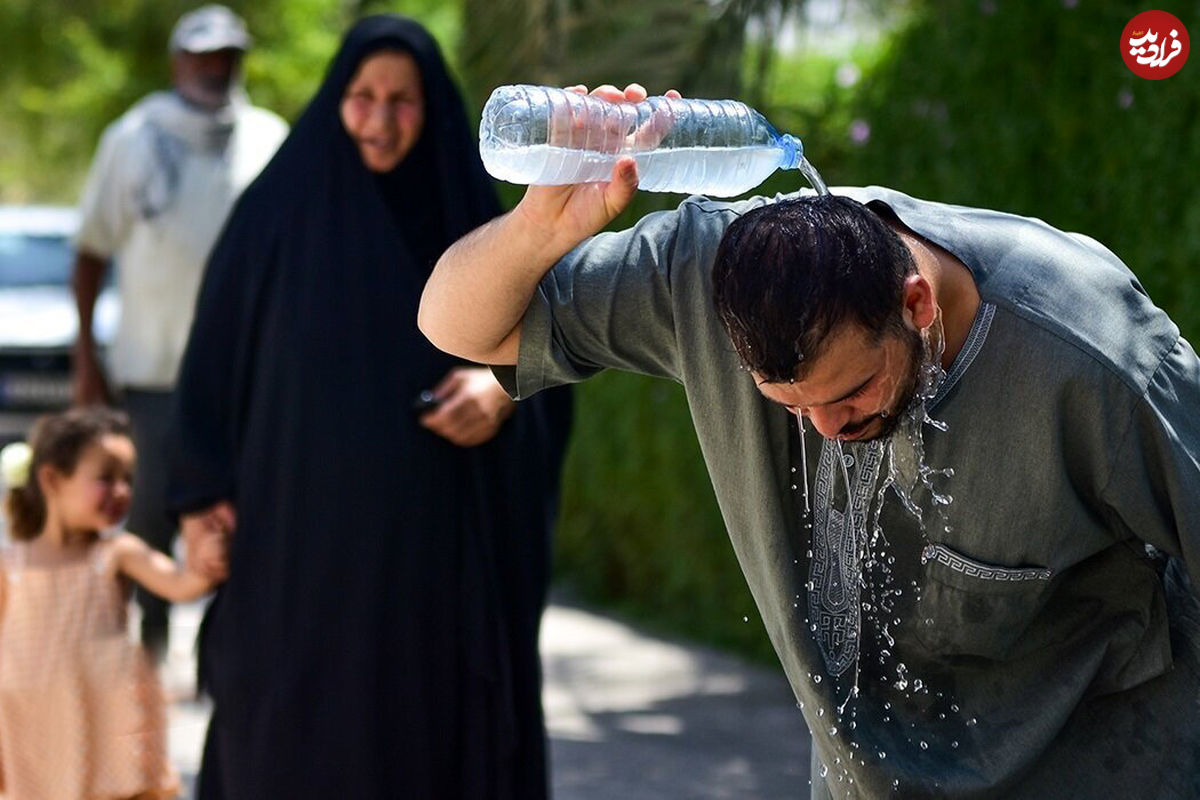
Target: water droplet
[[820, 712], [971, 722], [833, 731], [917, 685], [745, 619], [954, 707], [896, 784], [954, 745], [924, 745], [882, 754], [816, 678], [824, 771]]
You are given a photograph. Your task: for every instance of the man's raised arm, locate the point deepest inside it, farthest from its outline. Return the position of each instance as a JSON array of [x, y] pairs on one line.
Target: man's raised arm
[[475, 299]]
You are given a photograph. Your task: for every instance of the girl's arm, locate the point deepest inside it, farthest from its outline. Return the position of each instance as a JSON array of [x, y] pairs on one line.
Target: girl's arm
[[156, 572]]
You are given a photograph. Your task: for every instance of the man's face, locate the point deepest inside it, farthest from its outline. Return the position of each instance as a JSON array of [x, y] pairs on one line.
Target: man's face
[[857, 389], [206, 79]]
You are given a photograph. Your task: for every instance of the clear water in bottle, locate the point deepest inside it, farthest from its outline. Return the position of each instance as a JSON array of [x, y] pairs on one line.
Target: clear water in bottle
[[546, 136]]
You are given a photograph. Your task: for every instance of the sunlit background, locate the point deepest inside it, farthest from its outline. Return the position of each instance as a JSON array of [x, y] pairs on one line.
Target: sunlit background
[[1023, 107]]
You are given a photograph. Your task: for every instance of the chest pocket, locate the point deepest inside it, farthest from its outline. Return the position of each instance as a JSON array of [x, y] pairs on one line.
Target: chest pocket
[[971, 608]]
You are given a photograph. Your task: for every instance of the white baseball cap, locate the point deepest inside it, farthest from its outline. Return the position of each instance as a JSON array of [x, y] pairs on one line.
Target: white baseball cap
[[207, 29]]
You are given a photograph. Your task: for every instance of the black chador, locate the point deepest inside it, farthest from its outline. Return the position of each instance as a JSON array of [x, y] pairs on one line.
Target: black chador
[[377, 635]]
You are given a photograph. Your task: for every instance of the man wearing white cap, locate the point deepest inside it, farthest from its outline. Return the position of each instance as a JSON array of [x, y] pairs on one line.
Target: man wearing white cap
[[164, 178]]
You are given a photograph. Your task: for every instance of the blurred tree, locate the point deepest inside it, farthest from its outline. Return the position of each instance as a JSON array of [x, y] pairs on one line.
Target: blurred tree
[[696, 46]]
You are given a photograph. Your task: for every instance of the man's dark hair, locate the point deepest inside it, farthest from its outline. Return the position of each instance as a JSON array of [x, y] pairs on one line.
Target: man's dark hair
[[790, 273]]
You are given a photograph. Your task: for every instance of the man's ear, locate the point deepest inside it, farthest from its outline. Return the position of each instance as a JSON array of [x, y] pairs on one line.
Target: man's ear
[[920, 309]]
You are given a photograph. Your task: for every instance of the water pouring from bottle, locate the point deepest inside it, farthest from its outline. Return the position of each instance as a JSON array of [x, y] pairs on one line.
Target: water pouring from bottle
[[545, 136]]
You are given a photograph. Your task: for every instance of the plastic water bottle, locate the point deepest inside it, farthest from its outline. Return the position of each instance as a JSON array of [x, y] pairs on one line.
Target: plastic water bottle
[[547, 136]]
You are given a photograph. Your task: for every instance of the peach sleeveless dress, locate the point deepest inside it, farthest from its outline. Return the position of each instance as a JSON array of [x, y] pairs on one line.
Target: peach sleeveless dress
[[82, 715]]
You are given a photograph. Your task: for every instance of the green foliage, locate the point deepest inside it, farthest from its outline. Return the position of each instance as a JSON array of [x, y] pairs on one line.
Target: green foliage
[[1029, 108], [639, 528]]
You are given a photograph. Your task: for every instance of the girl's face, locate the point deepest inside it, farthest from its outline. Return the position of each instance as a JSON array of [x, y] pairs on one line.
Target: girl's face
[[96, 495], [383, 109]]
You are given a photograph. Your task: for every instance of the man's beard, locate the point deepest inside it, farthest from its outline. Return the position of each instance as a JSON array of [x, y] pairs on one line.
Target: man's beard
[[209, 92], [890, 418]]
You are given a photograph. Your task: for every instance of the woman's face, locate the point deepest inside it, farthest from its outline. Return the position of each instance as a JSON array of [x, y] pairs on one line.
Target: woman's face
[[384, 109]]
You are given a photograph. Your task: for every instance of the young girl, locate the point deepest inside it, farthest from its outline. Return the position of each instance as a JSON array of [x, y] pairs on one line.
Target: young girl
[[81, 712]]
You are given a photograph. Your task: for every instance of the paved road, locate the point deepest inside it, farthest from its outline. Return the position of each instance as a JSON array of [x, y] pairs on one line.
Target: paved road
[[630, 716]]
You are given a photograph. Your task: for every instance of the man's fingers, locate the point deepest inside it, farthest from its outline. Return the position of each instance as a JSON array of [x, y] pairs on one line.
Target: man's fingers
[[609, 92], [623, 186], [635, 93], [673, 94]]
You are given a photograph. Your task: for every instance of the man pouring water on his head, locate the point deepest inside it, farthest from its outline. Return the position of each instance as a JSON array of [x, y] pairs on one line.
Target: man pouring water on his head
[[975, 576]]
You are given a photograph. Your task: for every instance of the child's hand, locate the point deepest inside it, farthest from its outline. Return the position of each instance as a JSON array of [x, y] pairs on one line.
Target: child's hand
[[214, 523]]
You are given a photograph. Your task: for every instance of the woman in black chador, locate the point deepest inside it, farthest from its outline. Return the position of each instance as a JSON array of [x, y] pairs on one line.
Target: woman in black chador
[[377, 637]]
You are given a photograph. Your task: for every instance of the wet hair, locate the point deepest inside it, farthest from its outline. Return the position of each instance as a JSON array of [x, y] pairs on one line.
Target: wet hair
[[58, 440], [788, 274]]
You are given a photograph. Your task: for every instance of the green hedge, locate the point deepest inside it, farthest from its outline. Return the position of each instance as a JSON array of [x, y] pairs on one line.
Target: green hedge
[[1021, 107]]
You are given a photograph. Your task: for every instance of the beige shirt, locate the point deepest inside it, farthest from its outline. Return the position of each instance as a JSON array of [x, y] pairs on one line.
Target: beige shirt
[[163, 181]]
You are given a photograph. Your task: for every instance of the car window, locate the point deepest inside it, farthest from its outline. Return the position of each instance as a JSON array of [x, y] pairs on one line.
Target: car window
[[35, 260]]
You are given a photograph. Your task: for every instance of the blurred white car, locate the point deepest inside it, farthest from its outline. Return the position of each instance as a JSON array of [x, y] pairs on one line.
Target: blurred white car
[[38, 320]]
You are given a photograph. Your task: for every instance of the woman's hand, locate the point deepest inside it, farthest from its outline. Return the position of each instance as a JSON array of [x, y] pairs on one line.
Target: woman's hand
[[472, 407], [206, 535]]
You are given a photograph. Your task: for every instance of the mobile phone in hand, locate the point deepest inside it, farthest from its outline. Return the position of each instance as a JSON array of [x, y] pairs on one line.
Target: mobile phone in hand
[[426, 401]]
